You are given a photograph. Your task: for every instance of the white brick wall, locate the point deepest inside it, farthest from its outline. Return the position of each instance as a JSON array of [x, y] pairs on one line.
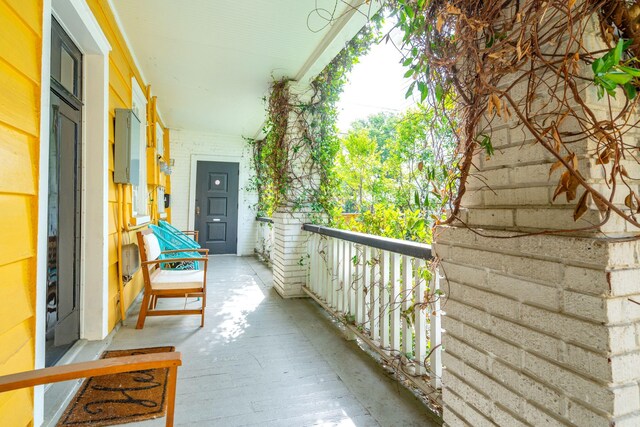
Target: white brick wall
[[289, 253], [187, 146], [540, 330]]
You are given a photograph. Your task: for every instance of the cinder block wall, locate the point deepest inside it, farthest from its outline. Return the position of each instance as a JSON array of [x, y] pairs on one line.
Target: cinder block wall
[[540, 330]]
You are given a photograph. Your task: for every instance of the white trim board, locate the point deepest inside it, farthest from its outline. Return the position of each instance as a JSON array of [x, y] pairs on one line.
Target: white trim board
[[43, 206], [127, 42], [79, 22]]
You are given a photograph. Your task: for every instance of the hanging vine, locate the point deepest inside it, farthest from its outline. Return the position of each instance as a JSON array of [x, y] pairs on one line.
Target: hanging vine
[[536, 67], [293, 163]]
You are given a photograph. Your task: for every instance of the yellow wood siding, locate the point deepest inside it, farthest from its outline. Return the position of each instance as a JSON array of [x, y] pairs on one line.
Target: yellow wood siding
[[121, 70], [20, 88], [20, 92]]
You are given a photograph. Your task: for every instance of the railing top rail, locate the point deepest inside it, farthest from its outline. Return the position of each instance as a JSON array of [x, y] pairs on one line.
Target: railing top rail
[[264, 219], [403, 247]]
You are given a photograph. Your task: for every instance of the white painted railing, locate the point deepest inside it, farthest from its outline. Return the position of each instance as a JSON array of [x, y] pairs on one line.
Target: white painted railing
[[264, 238], [378, 288]]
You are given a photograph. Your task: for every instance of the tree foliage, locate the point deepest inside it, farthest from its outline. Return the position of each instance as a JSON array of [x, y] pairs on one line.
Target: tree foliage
[[390, 172]]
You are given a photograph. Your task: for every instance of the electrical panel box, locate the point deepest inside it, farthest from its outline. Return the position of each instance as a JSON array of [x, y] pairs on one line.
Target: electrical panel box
[[127, 147], [130, 259]]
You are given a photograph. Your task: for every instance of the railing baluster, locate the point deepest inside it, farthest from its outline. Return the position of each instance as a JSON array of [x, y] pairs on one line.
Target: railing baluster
[[359, 294], [334, 271], [420, 318], [384, 299], [407, 285], [316, 265], [330, 268], [353, 279], [366, 283], [310, 265], [374, 301], [394, 280], [322, 255], [313, 263], [340, 282], [345, 277], [435, 334]]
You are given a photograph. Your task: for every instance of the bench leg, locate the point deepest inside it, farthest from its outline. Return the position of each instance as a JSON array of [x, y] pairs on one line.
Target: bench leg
[[171, 395], [143, 311], [204, 304]]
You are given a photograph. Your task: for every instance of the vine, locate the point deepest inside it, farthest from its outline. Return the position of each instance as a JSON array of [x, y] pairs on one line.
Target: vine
[[536, 66], [293, 163]]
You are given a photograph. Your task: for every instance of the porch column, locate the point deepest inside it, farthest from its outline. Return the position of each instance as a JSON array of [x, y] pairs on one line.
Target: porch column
[[540, 330], [289, 253]]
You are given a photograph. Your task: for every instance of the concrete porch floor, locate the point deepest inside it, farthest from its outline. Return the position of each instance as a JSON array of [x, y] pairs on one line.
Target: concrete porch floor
[[262, 360]]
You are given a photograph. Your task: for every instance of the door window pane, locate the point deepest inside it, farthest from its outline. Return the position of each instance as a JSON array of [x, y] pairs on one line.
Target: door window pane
[[67, 71]]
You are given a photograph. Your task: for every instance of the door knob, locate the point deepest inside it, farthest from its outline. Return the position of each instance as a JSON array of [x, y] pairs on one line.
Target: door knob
[[197, 210]]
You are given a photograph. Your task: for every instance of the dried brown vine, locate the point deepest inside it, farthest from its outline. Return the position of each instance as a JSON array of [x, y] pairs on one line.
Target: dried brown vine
[[529, 65]]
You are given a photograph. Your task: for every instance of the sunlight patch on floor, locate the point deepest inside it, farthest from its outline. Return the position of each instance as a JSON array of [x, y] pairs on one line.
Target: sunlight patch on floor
[[235, 310]]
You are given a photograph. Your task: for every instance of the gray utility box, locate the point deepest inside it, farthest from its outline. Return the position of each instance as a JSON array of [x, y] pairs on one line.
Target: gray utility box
[[127, 146]]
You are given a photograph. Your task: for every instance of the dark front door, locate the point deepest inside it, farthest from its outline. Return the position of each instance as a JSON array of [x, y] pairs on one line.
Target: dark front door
[[217, 206], [63, 231]]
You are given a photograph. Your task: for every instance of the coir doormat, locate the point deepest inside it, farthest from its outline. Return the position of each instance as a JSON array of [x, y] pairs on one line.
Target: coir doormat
[[120, 398]]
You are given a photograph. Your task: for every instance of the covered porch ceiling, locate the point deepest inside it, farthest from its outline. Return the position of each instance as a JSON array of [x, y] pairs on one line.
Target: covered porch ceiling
[[211, 61]]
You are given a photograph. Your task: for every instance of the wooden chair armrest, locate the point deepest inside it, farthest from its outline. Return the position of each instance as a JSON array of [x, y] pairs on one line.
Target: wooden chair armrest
[[173, 251], [170, 260], [114, 365], [190, 232]]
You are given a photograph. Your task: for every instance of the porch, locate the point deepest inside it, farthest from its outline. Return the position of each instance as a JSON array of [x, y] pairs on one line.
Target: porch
[[263, 360]]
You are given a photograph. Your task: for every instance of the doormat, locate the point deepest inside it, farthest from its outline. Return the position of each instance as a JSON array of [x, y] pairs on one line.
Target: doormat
[[120, 398]]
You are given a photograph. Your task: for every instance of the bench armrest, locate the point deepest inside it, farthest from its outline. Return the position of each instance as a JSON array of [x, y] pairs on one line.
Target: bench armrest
[[114, 365]]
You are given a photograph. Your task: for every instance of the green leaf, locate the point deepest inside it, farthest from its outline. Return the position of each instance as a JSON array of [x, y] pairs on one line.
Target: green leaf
[[630, 90], [597, 66], [424, 91], [407, 62], [617, 52], [618, 77], [410, 90], [409, 73], [630, 70], [410, 13], [416, 198], [439, 92], [486, 144]]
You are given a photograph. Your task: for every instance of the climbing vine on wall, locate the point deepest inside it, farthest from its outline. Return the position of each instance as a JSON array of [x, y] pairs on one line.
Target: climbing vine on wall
[[536, 68], [293, 162]]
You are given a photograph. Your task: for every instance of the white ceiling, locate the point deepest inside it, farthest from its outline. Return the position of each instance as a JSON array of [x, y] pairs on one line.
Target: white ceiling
[[210, 62]]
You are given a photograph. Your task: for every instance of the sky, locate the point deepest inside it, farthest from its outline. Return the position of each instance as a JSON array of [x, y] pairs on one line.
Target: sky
[[375, 84]]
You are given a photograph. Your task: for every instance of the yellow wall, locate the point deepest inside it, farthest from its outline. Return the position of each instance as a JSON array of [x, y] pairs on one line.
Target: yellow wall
[[20, 91], [121, 69], [20, 72]]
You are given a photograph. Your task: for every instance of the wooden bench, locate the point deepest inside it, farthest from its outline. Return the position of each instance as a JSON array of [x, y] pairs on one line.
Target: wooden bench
[[96, 368]]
